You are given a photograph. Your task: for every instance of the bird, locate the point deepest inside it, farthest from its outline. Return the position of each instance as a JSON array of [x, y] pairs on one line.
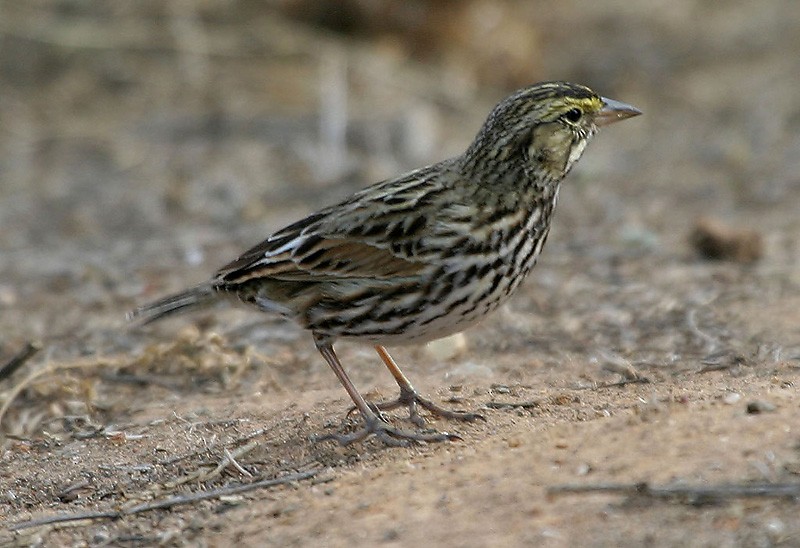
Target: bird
[[420, 256]]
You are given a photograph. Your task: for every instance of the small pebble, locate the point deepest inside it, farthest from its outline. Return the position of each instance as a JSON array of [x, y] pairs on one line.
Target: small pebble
[[101, 537], [447, 348], [775, 527], [232, 500], [583, 469], [469, 370], [759, 406], [732, 398], [716, 240]]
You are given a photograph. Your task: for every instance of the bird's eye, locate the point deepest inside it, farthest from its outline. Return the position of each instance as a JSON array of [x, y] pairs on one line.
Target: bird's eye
[[573, 115]]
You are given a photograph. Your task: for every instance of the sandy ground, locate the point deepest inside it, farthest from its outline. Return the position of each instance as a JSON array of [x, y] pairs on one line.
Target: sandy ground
[[142, 145]]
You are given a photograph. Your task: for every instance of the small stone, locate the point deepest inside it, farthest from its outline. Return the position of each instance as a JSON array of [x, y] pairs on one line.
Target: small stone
[[731, 399], [514, 443], [716, 240], [583, 469], [101, 537], [447, 348], [759, 406], [775, 527], [232, 500], [469, 370]]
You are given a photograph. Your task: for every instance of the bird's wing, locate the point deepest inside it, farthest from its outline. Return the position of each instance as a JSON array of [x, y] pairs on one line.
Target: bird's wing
[[317, 258], [376, 234]]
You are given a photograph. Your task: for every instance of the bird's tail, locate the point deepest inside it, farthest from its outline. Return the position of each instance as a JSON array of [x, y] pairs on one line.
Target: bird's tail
[[196, 297]]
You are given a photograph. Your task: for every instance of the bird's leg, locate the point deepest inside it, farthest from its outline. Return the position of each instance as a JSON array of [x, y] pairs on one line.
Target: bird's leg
[[409, 397], [374, 424]]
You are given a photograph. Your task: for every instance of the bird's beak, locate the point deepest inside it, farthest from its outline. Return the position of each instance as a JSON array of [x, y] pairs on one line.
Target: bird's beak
[[614, 111]]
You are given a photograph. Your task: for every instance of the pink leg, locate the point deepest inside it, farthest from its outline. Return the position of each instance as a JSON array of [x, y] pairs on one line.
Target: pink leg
[[374, 424]]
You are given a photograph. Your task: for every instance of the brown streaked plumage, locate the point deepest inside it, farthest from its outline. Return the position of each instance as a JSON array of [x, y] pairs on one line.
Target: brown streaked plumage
[[424, 255]]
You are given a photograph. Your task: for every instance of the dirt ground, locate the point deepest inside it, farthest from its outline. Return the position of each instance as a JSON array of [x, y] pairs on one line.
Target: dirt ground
[[635, 391]]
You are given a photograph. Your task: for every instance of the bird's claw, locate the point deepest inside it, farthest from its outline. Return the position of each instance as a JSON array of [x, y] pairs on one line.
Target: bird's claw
[[388, 434], [413, 400]]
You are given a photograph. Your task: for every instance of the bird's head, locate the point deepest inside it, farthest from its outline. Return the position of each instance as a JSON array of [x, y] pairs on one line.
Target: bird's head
[[542, 129]]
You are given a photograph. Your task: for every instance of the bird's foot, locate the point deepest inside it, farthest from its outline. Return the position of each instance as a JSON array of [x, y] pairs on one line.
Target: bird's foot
[[413, 401], [374, 425]]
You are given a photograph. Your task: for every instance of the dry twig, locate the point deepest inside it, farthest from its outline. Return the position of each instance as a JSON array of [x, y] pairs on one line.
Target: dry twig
[[640, 380], [711, 342], [513, 405], [230, 459], [50, 368], [690, 494], [19, 359], [211, 447], [165, 503]]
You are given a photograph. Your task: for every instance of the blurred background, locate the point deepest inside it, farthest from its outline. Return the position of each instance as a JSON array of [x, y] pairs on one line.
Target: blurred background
[[143, 144]]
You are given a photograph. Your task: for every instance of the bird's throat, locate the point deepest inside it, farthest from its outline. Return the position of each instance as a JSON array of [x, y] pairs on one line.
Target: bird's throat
[[551, 154]]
